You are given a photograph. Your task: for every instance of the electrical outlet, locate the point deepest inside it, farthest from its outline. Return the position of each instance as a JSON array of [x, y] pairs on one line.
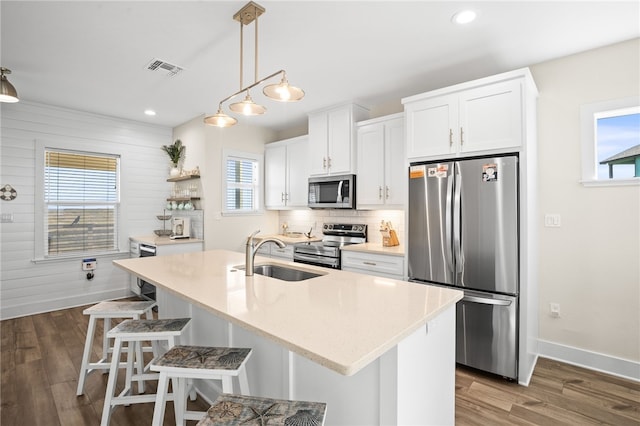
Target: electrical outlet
[[554, 309]]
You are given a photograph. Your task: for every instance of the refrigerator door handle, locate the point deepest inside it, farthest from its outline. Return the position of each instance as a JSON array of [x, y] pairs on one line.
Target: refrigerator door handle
[[486, 301], [448, 227], [457, 207]]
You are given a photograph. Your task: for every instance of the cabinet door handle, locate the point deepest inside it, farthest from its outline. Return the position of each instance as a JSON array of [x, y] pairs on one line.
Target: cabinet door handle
[[461, 136], [329, 162], [450, 137], [369, 263], [386, 192], [380, 193], [324, 162], [282, 197]]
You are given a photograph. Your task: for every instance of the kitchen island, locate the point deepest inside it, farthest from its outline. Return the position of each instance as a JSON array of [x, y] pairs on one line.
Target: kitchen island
[[376, 350]]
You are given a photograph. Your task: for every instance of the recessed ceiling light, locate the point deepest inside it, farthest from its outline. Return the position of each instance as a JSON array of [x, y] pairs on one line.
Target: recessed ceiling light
[[463, 17], [149, 112]]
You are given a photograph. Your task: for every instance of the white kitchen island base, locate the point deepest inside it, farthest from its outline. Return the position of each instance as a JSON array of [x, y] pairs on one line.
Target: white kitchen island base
[[376, 350], [413, 383]]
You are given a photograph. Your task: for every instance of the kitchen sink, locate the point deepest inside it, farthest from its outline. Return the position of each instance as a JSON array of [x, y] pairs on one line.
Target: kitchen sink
[[285, 273]]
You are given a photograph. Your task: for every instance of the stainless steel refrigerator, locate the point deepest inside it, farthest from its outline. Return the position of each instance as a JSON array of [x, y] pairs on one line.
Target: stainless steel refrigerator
[[463, 233]]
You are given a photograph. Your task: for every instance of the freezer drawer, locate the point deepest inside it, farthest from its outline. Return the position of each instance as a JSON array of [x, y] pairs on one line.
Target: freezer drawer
[[487, 333]]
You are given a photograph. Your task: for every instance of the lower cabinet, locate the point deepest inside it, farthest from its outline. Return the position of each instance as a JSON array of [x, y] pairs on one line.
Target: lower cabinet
[[273, 251], [381, 265]]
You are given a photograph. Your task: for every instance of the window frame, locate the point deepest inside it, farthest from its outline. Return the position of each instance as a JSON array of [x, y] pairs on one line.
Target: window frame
[[40, 231], [258, 207], [589, 114]]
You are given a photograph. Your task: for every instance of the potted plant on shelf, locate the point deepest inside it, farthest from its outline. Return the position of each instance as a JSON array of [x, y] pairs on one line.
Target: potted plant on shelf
[[175, 152]]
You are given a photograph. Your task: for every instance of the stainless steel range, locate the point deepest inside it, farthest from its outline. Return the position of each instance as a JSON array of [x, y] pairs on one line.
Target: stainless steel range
[[327, 252]]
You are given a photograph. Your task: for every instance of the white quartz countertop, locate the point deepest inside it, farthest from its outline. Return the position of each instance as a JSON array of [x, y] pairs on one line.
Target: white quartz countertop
[[288, 239], [375, 248], [163, 241], [341, 320]]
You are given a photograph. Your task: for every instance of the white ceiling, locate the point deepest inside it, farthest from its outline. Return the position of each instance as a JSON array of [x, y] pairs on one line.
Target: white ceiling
[[91, 55]]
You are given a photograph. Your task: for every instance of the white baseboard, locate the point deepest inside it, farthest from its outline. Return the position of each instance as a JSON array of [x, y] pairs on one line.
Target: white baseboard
[[592, 360], [39, 307]]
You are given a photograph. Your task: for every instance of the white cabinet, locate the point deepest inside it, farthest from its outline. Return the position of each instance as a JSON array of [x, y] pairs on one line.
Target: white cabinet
[[480, 116], [382, 175], [382, 265], [273, 251], [332, 139], [286, 173]]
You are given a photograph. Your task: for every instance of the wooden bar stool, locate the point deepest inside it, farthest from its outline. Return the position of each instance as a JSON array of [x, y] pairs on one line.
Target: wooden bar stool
[[106, 311], [134, 332], [185, 363], [232, 410]]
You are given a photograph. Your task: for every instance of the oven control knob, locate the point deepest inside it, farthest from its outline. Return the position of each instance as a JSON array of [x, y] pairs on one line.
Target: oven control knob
[[328, 226]]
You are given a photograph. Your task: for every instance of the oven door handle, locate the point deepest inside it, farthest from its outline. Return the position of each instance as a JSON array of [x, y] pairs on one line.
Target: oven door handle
[[147, 249], [308, 258]]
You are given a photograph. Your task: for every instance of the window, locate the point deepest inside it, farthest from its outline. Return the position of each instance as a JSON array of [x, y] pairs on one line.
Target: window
[[81, 200], [241, 182], [611, 142]]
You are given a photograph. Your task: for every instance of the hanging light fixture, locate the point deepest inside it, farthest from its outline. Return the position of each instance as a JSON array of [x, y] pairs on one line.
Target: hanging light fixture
[[8, 93], [282, 91]]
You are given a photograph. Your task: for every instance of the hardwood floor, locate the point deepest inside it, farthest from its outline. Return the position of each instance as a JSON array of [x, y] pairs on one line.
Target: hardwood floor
[[40, 356]]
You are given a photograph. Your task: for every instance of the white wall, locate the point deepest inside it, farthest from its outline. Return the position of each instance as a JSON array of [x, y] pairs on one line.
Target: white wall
[[204, 149], [27, 287], [590, 265]]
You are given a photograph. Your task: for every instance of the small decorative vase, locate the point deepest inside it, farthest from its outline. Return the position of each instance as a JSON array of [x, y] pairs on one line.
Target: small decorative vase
[[174, 172]]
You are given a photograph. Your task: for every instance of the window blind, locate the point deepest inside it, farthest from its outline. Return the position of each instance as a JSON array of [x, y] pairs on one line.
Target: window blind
[[81, 200], [242, 182]]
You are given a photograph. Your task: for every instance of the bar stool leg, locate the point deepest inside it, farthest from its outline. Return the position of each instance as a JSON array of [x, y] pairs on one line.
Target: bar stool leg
[[244, 382], [161, 399], [86, 355], [111, 383], [105, 339], [180, 399]]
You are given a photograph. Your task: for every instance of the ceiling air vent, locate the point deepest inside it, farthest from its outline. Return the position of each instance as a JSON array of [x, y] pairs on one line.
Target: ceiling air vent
[[160, 65]]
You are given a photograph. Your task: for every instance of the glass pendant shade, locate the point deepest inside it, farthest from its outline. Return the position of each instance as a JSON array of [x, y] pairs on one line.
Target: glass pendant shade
[[220, 119], [283, 92], [8, 93], [247, 107]]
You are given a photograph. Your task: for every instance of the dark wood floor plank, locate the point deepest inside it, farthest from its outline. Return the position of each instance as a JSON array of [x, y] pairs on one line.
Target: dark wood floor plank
[[27, 348], [36, 406], [72, 410]]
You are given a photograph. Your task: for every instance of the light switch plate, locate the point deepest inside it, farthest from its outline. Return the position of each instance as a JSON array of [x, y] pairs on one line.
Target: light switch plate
[[552, 220], [6, 218]]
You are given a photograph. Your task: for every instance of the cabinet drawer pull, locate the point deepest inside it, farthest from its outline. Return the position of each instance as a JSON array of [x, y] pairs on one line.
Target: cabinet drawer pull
[[369, 263]]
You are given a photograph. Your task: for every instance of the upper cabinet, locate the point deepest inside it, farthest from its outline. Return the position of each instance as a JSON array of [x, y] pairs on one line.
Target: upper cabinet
[[381, 163], [480, 116], [286, 173], [332, 139]]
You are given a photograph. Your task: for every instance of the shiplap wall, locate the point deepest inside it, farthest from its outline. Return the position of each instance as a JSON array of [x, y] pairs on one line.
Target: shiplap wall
[[28, 287]]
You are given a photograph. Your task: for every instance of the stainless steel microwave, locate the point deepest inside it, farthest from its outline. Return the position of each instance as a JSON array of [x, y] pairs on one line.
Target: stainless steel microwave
[[332, 192]]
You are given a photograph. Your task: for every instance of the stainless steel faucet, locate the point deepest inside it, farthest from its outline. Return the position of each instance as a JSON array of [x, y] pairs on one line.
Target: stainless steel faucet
[[252, 248]]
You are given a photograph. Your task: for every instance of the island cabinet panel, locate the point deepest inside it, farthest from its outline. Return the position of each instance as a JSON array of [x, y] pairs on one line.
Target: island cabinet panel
[[377, 352], [398, 388]]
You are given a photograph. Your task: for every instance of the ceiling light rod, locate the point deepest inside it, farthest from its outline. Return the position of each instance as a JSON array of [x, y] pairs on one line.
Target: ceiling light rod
[[280, 92]]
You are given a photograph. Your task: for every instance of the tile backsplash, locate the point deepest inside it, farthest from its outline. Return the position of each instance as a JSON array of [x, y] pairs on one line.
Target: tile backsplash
[[303, 220]]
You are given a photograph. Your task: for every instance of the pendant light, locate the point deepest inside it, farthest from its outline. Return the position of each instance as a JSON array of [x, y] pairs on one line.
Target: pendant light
[[282, 91], [8, 93]]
